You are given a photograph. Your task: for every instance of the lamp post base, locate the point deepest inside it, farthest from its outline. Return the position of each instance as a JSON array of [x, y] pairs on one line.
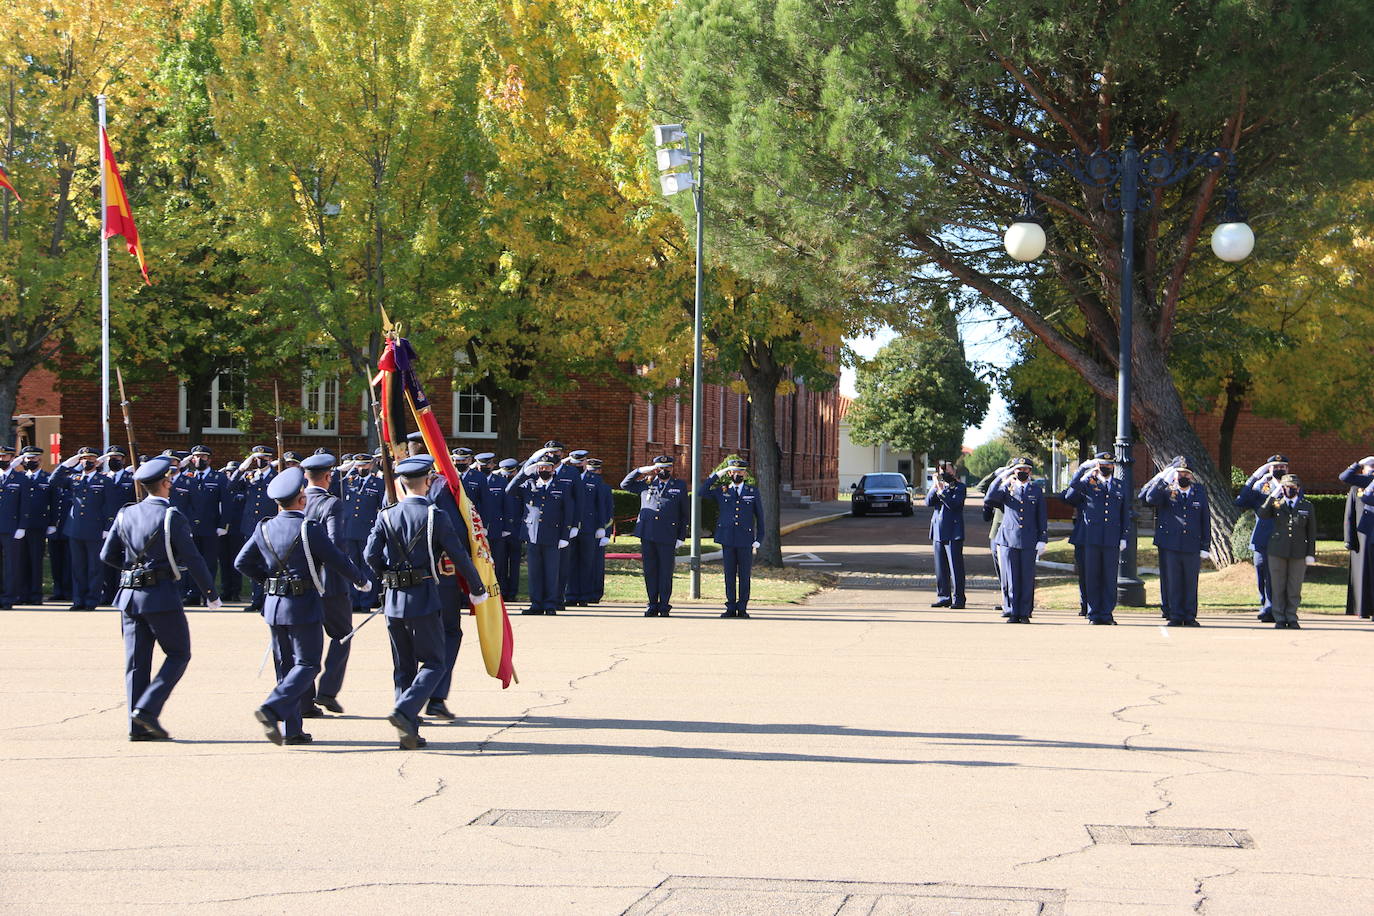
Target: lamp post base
[[1130, 592]]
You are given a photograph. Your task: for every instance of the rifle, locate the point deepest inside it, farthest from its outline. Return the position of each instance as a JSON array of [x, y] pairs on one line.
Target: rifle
[[279, 419], [129, 432]]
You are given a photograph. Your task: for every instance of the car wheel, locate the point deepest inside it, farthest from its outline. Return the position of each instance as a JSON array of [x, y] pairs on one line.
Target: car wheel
[[907, 511], [857, 512]]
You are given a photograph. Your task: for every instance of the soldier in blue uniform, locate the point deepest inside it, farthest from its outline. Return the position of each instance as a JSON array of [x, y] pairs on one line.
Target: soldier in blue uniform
[[946, 500], [500, 516], [512, 540], [545, 519], [251, 479], [231, 542], [1183, 532], [587, 575], [290, 554], [471, 477], [664, 517], [85, 524], [59, 555], [452, 598], [1359, 523], [326, 510], [739, 529], [11, 488], [36, 523], [1021, 538], [1258, 488], [201, 492], [151, 543], [405, 548], [1104, 518], [119, 492], [362, 500]]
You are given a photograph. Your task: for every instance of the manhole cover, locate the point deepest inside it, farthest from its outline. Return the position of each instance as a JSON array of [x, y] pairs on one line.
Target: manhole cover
[[1225, 837], [691, 896], [534, 817]]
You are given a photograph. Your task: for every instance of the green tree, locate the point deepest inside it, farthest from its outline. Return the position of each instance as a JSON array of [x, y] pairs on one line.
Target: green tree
[[987, 458], [882, 138]]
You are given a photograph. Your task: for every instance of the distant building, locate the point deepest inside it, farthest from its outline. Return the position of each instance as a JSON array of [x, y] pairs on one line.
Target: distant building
[[857, 460]]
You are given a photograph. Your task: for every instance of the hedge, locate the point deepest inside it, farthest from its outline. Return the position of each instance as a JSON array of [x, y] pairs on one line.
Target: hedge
[[1330, 508], [627, 510]]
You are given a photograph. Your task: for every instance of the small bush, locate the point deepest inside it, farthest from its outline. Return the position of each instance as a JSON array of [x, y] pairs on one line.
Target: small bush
[[1240, 537]]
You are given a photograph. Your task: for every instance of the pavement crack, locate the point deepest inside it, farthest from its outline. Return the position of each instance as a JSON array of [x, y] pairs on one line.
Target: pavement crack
[[1199, 888], [80, 715], [1057, 855], [438, 790], [373, 884], [1153, 700]]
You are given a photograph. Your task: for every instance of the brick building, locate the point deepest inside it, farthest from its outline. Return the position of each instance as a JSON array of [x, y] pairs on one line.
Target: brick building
[[622, 428]]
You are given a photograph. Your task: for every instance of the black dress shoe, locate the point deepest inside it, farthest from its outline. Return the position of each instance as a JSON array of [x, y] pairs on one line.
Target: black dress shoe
[[1175, 623], [1010, 619], [1082, 612], [729, 614], [651, 613], [742, 615], [529, 611], [439, 710], [77, 607], [149, 723], [550, 612], [312, 712], [1293, 625], [419, 743], [330, 703], [1266, 617], [302, 738], [956, 606], [1281, 625], [1191, 623], [406, 728], [143, 736], [943, 602], [1099, 623], [268, 721]]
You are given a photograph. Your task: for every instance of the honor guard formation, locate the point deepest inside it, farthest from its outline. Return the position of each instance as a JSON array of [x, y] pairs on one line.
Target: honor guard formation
[[318, 541]]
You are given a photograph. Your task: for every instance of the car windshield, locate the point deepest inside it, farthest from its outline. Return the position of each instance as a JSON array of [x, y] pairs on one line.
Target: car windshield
[[881, 481]]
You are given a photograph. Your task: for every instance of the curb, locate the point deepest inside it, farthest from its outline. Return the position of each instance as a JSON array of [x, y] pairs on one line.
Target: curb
[[807, 523]]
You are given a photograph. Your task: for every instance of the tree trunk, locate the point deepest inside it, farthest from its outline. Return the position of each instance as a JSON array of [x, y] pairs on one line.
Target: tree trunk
[[197, 390], [1163, 425], [505, 412], [1106, 422], [1236, 389], [9, 397], [762, 374]]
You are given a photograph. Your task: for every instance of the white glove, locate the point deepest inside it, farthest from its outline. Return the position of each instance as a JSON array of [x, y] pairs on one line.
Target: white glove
[[600, 532], [475, 600], [1311, 561], [505, 534], [757, 545], [1205, 555], [362, 587], [604, 541], [104, 534], [1368, 459], [647, 469], [562, 544], [19, 534], [215, 605], [572, 532], [1122, 546], [221, 531], [52, 529], [680, 542], [1040, 549]]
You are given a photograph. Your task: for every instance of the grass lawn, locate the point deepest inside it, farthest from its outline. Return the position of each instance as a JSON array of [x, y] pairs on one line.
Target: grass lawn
[[1229, 590]]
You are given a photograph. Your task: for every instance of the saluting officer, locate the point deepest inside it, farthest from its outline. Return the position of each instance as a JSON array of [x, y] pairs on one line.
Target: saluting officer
[[1292, 547], [1021, 538], [326, 510], [545, 521], [231, 542], [404, 549], [85, 524], [946, 499], [500, 515], [251, 479], [1262, 484], [1104, 524], [664, 517], [119, 492], [11, 487], [151, 543], [362, 500], [568, 475], [1183, 532], [587, 576], [59, 556], [36, 522], [471, 477], [513, 542], [1359, 525], [200, 492], [288, 554], [739, 530]]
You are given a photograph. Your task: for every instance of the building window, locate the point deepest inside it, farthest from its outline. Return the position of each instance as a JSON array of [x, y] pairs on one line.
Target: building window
[[472, 417], [649, 427], [228, 393], [320, 403]]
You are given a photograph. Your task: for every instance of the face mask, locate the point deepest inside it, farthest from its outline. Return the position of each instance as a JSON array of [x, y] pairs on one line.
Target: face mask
[[1023, 475], [1105, 470], [461, 462], [1184, 483], [32, 464], [116, 464], [665, 473], [737, 478], [546, 475], [1290, 492], [947, 477]]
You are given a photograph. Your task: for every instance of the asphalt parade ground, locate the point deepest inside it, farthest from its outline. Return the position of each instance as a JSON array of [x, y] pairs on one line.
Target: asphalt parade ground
[[857, 754]]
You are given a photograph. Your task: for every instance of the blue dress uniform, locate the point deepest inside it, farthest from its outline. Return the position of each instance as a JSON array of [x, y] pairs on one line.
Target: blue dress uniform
[[1104, 521], [1183, 531], [59, 558], [512, 541], [569, 477], [1256, 491], [253, 482], [119, 492], [1021, 536], [35, 518], [947, 540], [325, 509], [151, 541], [362, 500], [201, 492], [664, 517], [231, 542], [499, 514], [85, 525], [290, 554], [404, 550], [545, 519], [596, 509], [1363, 534], [452, 598], [11, 488], [739, 528]]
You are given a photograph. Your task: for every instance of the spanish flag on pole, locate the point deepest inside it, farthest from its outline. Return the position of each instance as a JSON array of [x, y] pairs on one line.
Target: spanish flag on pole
[[5, 183], [119, 218]]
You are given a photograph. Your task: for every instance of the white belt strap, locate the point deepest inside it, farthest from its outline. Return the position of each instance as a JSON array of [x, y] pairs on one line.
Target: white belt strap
[[429, 542], [309, 559], [167, 542]]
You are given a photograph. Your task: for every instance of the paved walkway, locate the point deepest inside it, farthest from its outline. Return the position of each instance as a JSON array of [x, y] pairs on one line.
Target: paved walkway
[[859, 754]]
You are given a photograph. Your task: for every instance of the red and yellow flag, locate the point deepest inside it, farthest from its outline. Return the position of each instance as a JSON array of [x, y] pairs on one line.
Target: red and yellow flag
[[5, 183], [119, 218]]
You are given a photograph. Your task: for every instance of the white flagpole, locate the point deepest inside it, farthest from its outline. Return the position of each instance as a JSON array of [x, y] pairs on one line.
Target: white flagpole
[[104, 291]]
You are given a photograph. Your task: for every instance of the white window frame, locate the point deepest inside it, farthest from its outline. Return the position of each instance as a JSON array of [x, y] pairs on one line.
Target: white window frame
[[488, 421], [318, 385], [183, 414]]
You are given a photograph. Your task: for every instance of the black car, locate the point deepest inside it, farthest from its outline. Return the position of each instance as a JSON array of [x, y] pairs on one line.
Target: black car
[[881, 493]]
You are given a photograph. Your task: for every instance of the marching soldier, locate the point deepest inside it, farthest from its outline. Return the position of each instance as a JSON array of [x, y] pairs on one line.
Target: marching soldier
[[1021, 538], [1359, 524], [946, 499], [151, 543], [1183, 532], [362, 500], [252, 478], [664, 516], [587, 576], [404, 550], [513, 543], [86, 523], [288, 554], [545, 520], [200, 493], [739, 529], [325, 509], [452, 598], [1104, 524], [1292, 547], [1257, 489]]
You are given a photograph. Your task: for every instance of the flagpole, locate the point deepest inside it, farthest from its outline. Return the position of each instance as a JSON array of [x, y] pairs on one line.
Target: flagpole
[[104, 289]]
